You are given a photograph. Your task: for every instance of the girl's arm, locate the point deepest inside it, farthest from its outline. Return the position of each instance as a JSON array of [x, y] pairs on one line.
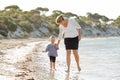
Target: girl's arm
[[56, 46], [47, 49]]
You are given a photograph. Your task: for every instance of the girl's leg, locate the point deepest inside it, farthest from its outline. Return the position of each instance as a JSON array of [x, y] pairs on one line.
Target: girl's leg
[[53, 65], [68, 59], [54, 60], [76, 56], [50, 62], [50, 65]]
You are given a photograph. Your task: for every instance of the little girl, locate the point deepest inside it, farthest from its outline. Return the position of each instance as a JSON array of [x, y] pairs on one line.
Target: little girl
[[52, 52]]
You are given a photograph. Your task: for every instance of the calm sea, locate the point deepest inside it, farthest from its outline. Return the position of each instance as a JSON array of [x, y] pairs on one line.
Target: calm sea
[[99, 60]]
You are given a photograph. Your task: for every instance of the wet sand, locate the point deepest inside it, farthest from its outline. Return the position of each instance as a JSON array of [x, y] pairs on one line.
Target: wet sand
[[18, 62], [17, 59]]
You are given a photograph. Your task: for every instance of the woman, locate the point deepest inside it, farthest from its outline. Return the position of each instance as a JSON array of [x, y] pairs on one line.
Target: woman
[[71, 31]]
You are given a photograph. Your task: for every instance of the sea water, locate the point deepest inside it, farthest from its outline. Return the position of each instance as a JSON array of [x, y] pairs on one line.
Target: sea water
[[99, 60]]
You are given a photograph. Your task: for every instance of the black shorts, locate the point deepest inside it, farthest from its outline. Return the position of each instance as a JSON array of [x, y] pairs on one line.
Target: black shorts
[[71, 43], [52, 59]]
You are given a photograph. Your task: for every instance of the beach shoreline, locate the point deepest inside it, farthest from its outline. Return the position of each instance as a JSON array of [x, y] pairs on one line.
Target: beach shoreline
[[17, 61], [15, 58], [23, 64]]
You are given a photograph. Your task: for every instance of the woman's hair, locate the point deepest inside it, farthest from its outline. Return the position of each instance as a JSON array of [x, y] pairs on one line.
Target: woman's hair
[[59, 19]]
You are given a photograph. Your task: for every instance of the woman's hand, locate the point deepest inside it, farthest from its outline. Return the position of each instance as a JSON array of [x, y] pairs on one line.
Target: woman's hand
[[79, 37], [79, 34]]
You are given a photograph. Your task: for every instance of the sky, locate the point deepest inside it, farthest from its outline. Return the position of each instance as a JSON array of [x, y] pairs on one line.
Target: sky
[[108, 8]]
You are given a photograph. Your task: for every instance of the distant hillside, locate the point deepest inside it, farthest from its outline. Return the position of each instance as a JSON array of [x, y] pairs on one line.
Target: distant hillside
[[15, 23]]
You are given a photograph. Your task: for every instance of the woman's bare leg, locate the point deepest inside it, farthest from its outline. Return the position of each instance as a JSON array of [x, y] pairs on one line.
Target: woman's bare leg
[[76, 56], [68, 59]]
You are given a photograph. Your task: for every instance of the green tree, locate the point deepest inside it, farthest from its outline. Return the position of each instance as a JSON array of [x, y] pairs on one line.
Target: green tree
[[26, 26], [12, 7], [116, 22], [69, 14], [42, 10]]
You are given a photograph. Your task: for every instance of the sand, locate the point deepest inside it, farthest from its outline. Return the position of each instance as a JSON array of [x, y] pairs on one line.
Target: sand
[[18, 62], [16, 59]]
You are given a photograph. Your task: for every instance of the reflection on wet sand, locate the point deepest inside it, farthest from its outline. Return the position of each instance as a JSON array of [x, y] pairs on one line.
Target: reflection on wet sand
[[73, 76], [51, 75], [57, 75], [76, 76], [67, 76]]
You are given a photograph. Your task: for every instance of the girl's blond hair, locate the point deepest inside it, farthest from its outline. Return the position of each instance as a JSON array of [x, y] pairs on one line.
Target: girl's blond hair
[[52, 36]]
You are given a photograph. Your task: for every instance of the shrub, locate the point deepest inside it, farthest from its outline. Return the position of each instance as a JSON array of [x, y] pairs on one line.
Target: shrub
[[2, 32], [26, 26], [25, 35]]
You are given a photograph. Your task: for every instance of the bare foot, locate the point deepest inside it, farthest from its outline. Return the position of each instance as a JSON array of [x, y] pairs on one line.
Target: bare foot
[[67, 71], [79, 69]]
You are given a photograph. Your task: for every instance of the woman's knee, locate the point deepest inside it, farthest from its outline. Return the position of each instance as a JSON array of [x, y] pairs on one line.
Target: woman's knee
[[75, 51]]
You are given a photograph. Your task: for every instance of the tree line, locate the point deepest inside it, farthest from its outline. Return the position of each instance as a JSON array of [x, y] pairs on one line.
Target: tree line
[[13, 17]]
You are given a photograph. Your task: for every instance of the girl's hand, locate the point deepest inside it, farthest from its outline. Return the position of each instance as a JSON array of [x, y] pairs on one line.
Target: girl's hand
[[57, 47]]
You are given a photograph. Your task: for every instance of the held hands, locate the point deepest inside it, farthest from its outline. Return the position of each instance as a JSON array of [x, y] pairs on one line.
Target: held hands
[[56, 46]]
